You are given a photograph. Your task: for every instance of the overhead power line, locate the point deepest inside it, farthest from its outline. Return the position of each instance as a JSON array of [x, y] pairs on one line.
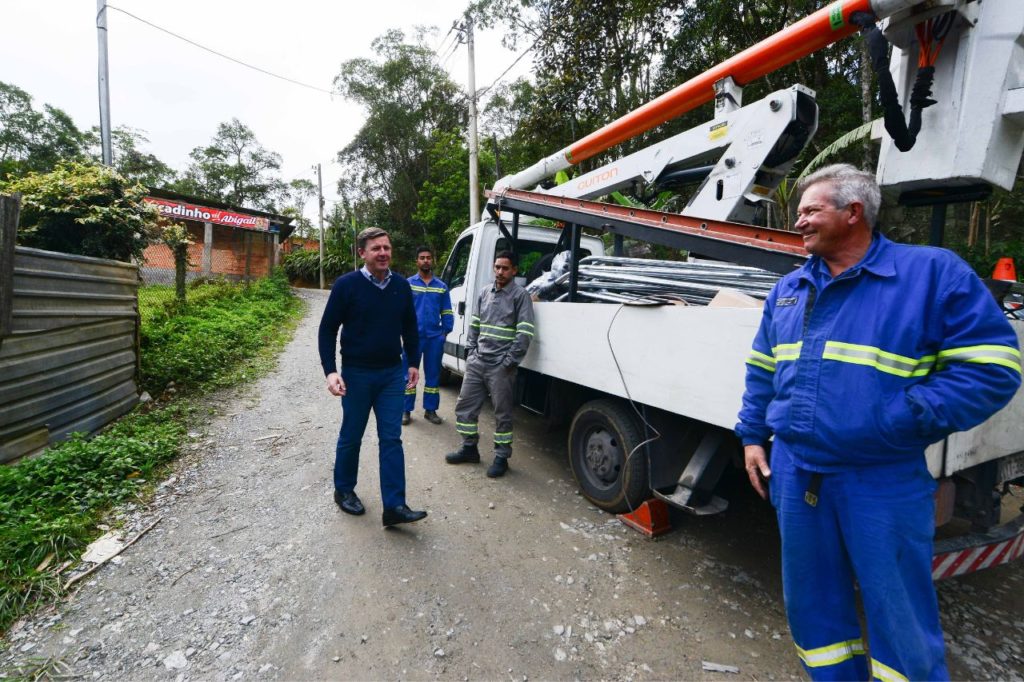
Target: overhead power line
[[220, 54], [480, 92]]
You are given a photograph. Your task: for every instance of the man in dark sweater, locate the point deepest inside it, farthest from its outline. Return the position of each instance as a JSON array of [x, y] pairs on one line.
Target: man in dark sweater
[[374, 309]]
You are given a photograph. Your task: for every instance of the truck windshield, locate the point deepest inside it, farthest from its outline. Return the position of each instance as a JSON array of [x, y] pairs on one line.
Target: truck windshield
[[534, 257]]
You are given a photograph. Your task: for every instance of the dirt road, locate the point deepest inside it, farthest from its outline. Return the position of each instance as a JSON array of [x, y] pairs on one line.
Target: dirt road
[[253, 573]]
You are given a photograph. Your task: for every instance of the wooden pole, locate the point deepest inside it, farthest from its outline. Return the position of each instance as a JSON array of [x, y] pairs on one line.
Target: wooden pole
[[10, 209]]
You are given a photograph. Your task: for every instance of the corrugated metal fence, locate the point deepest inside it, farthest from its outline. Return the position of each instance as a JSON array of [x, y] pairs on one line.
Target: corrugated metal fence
[[68, 350]]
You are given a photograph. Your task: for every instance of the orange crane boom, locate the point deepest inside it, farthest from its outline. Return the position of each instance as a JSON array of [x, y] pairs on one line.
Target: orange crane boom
[[824, 27]]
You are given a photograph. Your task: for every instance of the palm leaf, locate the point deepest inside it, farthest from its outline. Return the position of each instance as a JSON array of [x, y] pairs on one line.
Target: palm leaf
[[844, 141]]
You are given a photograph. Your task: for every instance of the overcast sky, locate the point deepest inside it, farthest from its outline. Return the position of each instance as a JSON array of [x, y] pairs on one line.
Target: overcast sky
[[178, 93]]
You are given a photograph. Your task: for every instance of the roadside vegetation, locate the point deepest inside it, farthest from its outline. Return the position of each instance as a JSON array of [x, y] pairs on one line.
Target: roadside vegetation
[[50, 505]]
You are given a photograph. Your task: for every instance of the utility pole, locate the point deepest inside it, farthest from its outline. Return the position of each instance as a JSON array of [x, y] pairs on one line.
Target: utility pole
[[474, 152], [320, 203], [104, 82]]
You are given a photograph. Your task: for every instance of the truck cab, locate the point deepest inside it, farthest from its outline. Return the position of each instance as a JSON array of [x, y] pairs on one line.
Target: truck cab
[[469, 270]]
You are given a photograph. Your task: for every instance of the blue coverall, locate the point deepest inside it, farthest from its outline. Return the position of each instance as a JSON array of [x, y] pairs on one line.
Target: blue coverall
[[855, 376], [435, 319]]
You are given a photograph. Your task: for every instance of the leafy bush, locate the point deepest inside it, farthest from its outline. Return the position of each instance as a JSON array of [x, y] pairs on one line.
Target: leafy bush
[[305, 265], [201, 341], [83, 209]]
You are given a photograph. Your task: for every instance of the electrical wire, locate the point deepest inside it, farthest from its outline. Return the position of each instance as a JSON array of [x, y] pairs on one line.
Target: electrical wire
[[629, 397], [480, 93], [219, 54]]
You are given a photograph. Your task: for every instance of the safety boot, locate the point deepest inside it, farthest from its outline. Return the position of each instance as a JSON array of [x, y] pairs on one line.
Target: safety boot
[[467, 454], [498, 467]]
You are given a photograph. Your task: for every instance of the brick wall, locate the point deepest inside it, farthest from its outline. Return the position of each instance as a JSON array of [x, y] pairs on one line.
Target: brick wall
[[228, 255]]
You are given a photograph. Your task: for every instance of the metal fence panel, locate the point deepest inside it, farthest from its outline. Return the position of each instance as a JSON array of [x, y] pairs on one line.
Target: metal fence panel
[[69, 362]]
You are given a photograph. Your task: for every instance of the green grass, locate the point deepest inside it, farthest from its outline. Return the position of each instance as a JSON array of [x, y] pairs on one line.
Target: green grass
[[50, 505], [200, 344]]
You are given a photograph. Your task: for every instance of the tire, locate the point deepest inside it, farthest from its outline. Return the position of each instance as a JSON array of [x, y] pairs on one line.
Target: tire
[[602, 435]]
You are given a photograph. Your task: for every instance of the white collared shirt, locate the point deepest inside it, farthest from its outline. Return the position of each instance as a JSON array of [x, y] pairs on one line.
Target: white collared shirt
[[380, 284]]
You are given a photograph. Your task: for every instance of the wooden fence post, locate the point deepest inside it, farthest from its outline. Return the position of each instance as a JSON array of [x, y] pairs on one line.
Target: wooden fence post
[[10, 209]]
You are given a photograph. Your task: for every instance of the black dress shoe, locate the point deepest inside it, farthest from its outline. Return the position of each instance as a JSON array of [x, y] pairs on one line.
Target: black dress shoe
[[401, 514], [432, 417], [349, 503], [467, 454]]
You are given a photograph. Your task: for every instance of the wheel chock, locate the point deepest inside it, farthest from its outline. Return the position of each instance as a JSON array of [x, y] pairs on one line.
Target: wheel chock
[[650, 518]]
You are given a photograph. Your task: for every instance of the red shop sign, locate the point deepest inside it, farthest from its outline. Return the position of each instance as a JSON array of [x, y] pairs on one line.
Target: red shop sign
[[204, 214]]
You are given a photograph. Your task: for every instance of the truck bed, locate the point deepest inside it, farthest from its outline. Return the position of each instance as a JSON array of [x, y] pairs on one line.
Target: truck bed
[[691, 360]]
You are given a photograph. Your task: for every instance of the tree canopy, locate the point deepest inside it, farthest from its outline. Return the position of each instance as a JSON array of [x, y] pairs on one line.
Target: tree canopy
[[235, 168], [33, 141], [409, 101]]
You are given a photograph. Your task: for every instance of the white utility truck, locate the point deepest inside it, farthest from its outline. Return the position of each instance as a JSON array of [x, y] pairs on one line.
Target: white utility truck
[[652, 389]]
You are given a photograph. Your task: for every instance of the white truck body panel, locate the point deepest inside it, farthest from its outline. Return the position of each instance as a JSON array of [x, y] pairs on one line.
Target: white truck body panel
[[687, 360]]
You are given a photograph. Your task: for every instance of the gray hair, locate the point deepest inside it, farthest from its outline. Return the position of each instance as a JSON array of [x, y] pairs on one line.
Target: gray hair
[[368, 234], [849, 185]]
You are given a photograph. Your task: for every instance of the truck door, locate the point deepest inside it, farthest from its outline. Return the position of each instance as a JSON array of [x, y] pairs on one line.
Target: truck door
[[457, 276]]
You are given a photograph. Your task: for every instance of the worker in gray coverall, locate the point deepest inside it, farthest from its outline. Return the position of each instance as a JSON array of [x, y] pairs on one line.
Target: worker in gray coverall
[[499, 336]]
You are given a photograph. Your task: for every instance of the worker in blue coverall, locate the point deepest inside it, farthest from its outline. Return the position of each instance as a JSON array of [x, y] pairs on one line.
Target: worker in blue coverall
[[865, 355], [434, 319]]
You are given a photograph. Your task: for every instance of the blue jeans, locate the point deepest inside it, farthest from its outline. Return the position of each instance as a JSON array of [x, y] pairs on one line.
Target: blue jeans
[[381, 390]]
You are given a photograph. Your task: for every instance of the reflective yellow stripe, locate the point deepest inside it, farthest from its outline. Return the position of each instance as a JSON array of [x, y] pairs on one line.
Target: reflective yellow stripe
[[503, 438], [410, 391], [883, 361], [427, 290], [447, 312], [831, 654], [524, 324], [431, 390], [1007, 356], [466, 429], [761, 360], [497, 336], [787, 351], [885, 673]]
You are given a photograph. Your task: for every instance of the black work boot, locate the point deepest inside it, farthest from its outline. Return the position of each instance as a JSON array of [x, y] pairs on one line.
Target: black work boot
[[432, 417], [406, 418], [498, 467], [467, 454]]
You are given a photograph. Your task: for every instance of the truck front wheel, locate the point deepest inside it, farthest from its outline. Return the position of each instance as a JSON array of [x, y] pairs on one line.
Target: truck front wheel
[[603, 455]]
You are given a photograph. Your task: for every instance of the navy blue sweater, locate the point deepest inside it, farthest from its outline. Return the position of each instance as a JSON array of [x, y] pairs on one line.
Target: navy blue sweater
[[375, 324]]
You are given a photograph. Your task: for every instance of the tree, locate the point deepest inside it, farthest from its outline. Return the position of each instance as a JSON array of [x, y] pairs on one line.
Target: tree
[[34, 141], [84, 209], [299, 194], [444, 196], [236, 169], [408, 98], [131, 162]]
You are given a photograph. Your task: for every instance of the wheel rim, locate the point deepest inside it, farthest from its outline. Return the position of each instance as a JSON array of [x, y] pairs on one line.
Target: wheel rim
[[602, 458]]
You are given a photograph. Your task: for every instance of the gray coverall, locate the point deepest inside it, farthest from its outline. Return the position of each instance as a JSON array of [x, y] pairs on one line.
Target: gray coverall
[[499, 336]]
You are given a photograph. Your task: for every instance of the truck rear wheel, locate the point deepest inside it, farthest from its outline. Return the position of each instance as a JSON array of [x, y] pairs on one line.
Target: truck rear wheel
[[601, 438]]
